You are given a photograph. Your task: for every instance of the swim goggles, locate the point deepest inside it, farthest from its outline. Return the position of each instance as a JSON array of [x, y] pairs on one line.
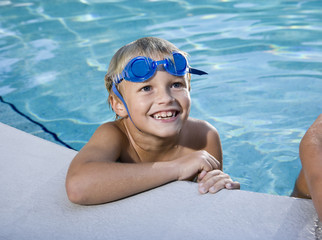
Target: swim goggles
[[140, 69]]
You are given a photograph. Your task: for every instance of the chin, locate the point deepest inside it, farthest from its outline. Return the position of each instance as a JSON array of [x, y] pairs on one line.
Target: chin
[[169, 133]]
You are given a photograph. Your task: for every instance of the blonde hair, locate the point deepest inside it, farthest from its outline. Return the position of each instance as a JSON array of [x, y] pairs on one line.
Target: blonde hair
[[148, 46]]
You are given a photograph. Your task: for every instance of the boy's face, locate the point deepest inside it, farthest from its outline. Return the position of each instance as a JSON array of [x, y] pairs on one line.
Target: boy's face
[[160, 105]]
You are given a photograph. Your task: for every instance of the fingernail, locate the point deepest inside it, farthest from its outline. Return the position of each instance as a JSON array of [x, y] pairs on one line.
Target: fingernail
[[212, 189], [228, 185], [202, 190]]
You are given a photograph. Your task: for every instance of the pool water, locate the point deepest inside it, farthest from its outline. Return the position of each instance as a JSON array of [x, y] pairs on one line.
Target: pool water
[[264, 87]]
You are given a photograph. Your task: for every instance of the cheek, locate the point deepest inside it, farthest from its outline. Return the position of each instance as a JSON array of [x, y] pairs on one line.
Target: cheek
[[139, 104], [186, 100], [189, 105]]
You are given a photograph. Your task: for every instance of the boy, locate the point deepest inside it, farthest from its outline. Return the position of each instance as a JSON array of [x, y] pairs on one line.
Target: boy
[[153, 141], [309, 181]]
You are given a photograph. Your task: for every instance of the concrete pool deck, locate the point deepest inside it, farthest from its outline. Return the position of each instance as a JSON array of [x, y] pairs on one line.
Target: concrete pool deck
[[34, 205]]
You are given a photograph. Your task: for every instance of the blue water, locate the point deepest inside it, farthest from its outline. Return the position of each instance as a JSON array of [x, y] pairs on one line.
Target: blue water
[[264, 60]]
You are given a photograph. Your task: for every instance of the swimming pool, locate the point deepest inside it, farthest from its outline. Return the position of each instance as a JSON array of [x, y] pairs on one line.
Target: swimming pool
[[263, 91]]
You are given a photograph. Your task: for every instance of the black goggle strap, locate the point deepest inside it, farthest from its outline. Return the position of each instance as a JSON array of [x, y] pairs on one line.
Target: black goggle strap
[[196, 71]]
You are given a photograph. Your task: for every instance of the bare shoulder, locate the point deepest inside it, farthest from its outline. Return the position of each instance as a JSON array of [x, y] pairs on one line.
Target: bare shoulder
[[201, 128], [110, 130], [106, 144], [201, 135], [314, 134], [317, 126]]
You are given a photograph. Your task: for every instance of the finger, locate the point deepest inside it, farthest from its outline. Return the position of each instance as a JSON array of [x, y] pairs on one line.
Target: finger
[[211, 161], [201, 175], [233, 185], [202, 189], [214, 181], [214, 162], [211, 174], [219, 185]]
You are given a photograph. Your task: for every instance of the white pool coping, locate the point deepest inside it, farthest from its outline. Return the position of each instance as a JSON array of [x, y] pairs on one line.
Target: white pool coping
[[34, 205]]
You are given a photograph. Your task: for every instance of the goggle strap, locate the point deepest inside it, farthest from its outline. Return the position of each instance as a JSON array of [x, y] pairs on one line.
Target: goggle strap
[[196, 71], [119, 78], [121, 98]]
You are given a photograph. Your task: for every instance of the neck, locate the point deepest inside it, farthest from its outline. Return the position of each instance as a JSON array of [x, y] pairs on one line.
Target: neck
[[150, 143]]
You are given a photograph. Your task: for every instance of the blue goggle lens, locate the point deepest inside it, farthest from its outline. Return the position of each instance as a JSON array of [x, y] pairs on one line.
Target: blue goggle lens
[[140, 68], [178, 66]]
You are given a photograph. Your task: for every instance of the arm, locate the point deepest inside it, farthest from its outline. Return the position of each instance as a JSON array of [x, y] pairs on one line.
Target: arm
[[311, 158], [95, 177]]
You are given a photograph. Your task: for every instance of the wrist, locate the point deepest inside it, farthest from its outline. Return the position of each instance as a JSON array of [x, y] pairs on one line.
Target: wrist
[[169, 169]]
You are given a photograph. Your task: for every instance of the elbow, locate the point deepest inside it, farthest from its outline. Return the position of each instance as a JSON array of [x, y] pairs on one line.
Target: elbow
[[75, 191]]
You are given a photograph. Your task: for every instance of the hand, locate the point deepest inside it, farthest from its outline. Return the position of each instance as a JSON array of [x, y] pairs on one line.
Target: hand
[[215, 180], [192, 164]]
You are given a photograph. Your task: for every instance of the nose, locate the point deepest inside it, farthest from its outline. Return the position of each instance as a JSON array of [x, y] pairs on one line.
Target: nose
[[164, 96]]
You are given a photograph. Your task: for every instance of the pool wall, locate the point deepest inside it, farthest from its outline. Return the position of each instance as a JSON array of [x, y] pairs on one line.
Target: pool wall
[[34, 205]]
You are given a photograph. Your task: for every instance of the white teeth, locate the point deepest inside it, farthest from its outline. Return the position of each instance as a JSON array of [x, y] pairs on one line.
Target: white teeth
[[161, 115]]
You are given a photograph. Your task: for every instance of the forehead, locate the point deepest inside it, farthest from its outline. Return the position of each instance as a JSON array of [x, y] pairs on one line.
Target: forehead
[[154, 56]]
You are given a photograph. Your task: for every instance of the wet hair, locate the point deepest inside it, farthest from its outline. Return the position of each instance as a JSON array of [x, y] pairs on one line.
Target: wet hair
[[151, 47]]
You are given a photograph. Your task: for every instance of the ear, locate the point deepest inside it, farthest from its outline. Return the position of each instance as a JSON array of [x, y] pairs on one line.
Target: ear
[[117, 106]]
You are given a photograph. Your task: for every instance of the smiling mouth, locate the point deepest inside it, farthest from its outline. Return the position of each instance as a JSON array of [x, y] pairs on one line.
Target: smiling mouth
[[165, 114]]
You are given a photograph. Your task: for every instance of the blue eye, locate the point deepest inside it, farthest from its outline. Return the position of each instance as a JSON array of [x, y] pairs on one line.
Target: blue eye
[[177, 85], [146, 88]]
